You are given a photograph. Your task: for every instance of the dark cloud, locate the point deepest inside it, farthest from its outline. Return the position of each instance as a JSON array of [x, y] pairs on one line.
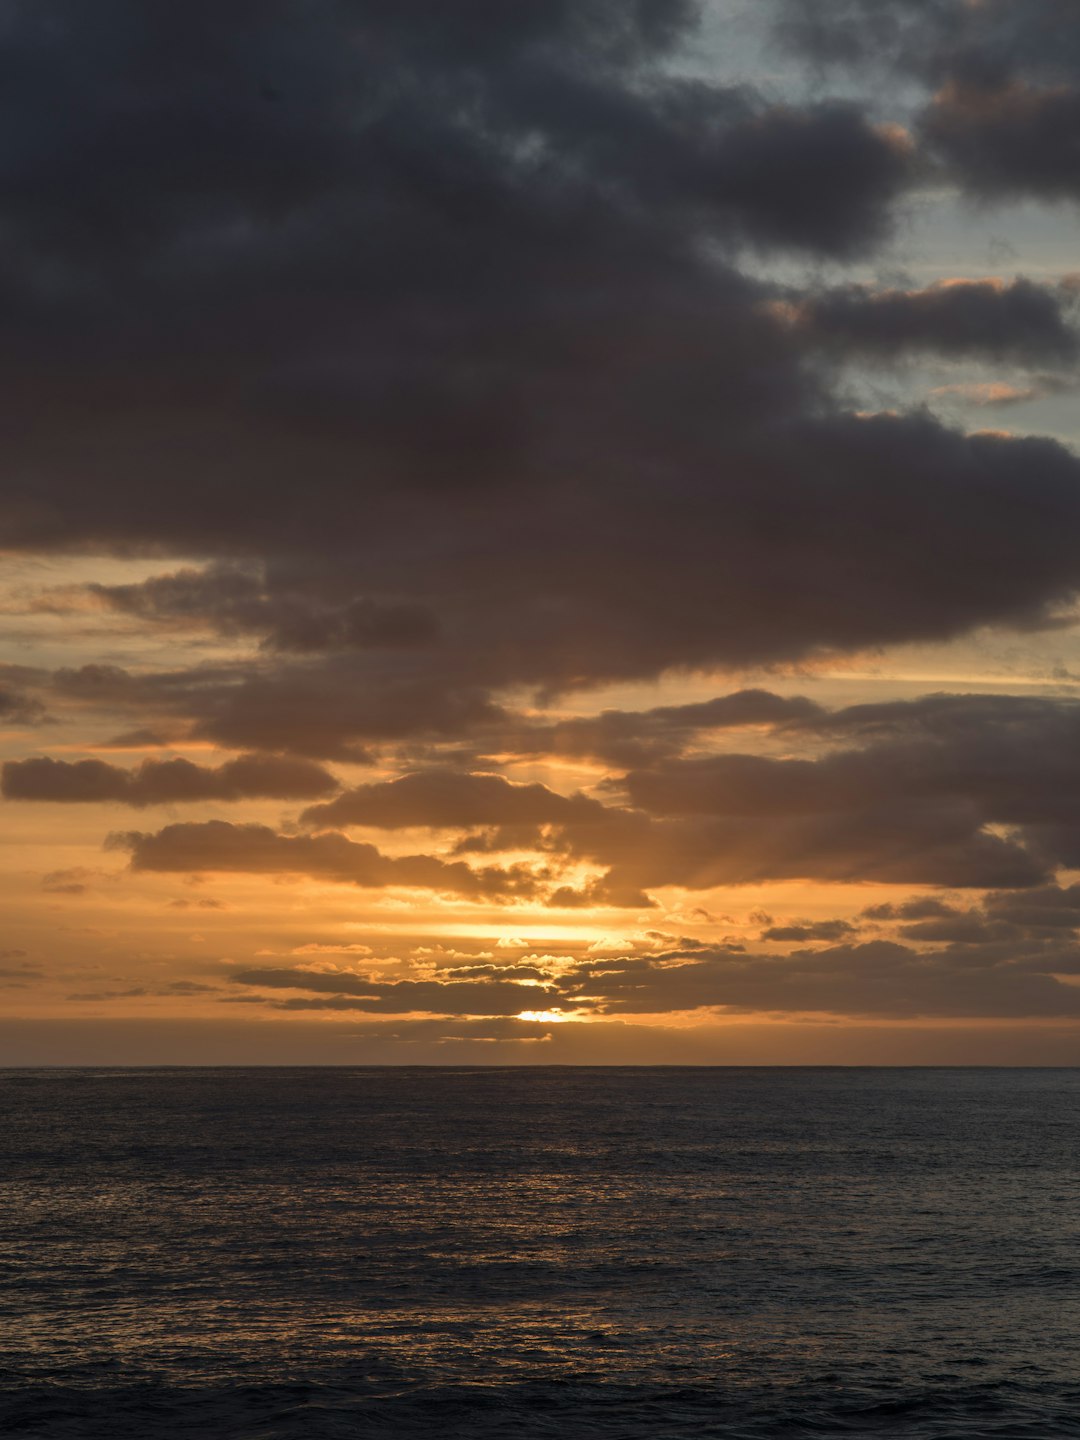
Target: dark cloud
[[234, 601], [819, 179], [403, 312], [346, 991], [982, 319], [175, 988], [934, 39], [1009, 138], [880, 979], [816, 558], [624, 738], [798, 575], [1041, 919], [954, 791], [891, 843], [958, 929], [979, 790], [1005, 115], [74, 880], [919, 907], [954, 720], [810, 930], [17, 708], [350, 262], [1051, 907], [322, 707], [619, 888], [450, 799], [967, 792], [859, 33], [16, 977], [217, 846], [165, 782], [326, 708]]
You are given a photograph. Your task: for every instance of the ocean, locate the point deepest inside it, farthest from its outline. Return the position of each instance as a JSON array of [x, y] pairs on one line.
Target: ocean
[[535, 1252]]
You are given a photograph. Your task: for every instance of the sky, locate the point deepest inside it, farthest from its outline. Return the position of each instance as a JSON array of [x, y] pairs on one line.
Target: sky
[[540, 533]]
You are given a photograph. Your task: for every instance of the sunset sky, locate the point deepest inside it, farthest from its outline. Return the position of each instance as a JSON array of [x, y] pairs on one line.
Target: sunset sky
[[540, 532]]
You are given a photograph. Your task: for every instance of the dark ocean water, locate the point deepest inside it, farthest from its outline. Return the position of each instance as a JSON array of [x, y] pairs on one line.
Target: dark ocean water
[[299, 1254]]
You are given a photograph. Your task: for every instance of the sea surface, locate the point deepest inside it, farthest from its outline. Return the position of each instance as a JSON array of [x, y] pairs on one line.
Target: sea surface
[[300, 1254]]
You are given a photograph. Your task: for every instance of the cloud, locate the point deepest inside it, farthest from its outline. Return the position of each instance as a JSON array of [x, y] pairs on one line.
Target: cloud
[[231, 600], [968, 978], [930, 38], [955, 791], [449, 799], [19, 709], [625, 738], [15, 977], [819, 178], [815, 559], [73, 880], [878, 978], [1039, 920], [1005, 110], [175, 988], [164, 782], [986, 319], [964, 792], [890, 844], [353, 992], [436, 317], [219, 847], [377, 224], [321, 707], [971, 790], [332, 707], [1009, 137], [810, 930], [921, 907]]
